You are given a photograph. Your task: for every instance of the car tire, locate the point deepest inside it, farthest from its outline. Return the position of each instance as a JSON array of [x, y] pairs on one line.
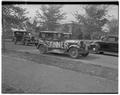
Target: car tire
[[73, 52], [42, 49], [86, 54]]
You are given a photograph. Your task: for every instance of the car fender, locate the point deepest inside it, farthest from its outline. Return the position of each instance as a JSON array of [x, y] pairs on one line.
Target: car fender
[[71, 46], [40, 44]]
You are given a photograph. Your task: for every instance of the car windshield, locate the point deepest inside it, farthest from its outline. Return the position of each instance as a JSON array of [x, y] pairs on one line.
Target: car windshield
[[54, 36], [66, 36], [110, 38], [17, 33]]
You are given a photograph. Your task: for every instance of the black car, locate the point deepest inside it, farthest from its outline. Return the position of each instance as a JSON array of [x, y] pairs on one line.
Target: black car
[[24, 37], [106, 44]]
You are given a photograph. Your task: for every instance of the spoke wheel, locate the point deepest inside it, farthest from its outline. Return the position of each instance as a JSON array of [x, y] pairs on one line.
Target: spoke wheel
[[73, 52], [42, 49]]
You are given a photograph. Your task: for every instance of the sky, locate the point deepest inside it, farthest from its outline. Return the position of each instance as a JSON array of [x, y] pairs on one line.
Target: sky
[[69, 10]]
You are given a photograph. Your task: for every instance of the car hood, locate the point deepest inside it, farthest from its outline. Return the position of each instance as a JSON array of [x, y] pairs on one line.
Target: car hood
[[73, 41], [96, 41]]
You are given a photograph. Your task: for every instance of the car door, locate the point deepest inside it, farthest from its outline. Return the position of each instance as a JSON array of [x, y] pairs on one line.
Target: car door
[[116, 45], [104, 44], [54, 42], [112, 43]]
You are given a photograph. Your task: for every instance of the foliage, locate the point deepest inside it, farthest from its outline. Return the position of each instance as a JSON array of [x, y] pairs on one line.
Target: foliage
[[50, 16], [113, 27], [93, 20], [32, 27], [12, 16]]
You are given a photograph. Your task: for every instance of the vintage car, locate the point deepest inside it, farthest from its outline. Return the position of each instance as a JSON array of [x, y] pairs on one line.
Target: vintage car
[[24, 37], [60, 42], [106, 44]]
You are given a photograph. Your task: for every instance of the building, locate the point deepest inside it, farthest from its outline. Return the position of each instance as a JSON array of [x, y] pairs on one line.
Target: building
[[76, 29]]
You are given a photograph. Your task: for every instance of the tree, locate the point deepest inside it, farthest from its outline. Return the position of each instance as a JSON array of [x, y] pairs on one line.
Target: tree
[[50, 16], [32, 27], [12, 16], [113, 27], [93, 20]]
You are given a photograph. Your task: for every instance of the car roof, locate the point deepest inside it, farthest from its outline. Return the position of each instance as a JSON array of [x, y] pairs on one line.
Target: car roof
[[55, 32], [113, 35], [19, 31]]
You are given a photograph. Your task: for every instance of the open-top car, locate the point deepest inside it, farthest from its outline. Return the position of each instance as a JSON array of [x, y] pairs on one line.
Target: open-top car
[[106, 44], [24, 37], [60, 42]]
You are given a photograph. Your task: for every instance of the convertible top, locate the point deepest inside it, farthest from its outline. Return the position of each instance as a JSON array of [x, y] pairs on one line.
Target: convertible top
[[20, 31]]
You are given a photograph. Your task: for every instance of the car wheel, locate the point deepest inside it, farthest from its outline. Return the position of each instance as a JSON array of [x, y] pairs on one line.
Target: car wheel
[[73, 52], [42, 49], [86, 54]]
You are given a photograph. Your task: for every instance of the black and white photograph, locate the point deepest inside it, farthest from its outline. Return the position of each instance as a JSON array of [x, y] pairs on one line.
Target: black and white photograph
[[59, 47]]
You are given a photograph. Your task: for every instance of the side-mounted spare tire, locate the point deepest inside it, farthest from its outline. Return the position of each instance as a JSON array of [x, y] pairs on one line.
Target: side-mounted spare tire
[[42, 49], [73, 52]]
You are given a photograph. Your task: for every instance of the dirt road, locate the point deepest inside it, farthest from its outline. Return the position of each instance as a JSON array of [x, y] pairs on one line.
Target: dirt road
[[40, 78], [31, 72]]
